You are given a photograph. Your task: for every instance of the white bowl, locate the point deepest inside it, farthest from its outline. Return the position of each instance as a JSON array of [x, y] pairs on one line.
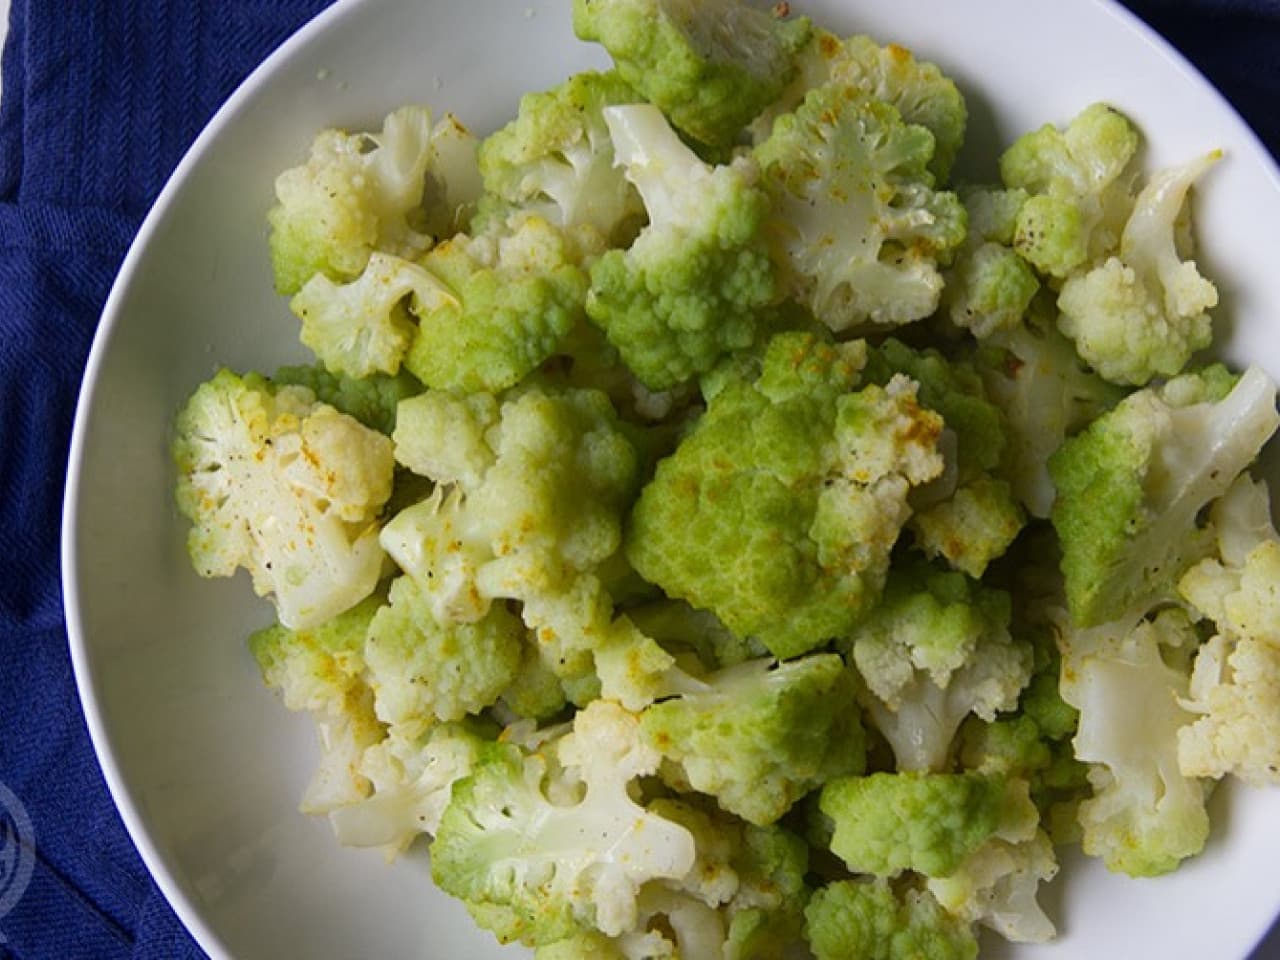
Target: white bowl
[[205, 764]]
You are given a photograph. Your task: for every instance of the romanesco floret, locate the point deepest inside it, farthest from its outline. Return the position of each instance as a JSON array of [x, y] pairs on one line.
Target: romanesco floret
[[365, 192], [917, 88], [709, 65], [286, 487], [412, 782], [1080, 191], [1037, 752], [762, 735], [315, 668], [989, 287], [423, 671], [926, 622], [542, 506], [1235, 683], [691, 286], [320, 670], [510, 296], [766, 915], [1145, 815], [1130, 487], [1143, 313], [867, 920], [784, 531], [856, 219], [935, 650], [556, 157], [1033, 373], [372, 399], [929, 823], [537, 871]]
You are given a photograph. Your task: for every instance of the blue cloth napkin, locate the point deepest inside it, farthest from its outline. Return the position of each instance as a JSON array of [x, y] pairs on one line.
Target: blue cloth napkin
[[100, 100]]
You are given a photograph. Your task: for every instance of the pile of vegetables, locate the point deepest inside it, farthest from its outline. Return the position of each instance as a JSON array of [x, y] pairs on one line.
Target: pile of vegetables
[[722, 535]]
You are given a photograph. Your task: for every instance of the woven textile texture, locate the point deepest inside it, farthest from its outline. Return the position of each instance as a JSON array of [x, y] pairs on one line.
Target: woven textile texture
[[100, 100]]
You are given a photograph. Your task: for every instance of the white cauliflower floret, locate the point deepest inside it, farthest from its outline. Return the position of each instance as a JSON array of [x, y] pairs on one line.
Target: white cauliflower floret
[[1144, 313], [412, 782], [535, 870], [857, 221], [997, 887], [286, 487], [365, 327], [1146, 815], [1235, 684]]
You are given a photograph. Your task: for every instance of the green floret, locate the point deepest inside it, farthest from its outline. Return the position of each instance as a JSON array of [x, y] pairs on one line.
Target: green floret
[[856, 219], [511, 297], [1035, 747], [529, 498], [1143, 314], [1080, 193], [754, 875], [285, 486], [539, 871], [422, 671], [556, 157], [917, 88], [710, 65], [784, 530], [320, 670], [372, 400], [690, 288], [929, 823], [853, 918], [989, 289], [529, 507], [766, 915], [926, 621], [315, 668], [761, 736], [936, 649], [1131, 486], [364, 192]]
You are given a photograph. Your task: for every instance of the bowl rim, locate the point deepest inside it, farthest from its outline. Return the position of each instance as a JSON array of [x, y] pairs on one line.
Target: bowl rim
[[328, 19]]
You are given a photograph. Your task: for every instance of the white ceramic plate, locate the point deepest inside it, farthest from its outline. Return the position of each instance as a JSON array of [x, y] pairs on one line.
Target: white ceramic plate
[[204, 763]]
